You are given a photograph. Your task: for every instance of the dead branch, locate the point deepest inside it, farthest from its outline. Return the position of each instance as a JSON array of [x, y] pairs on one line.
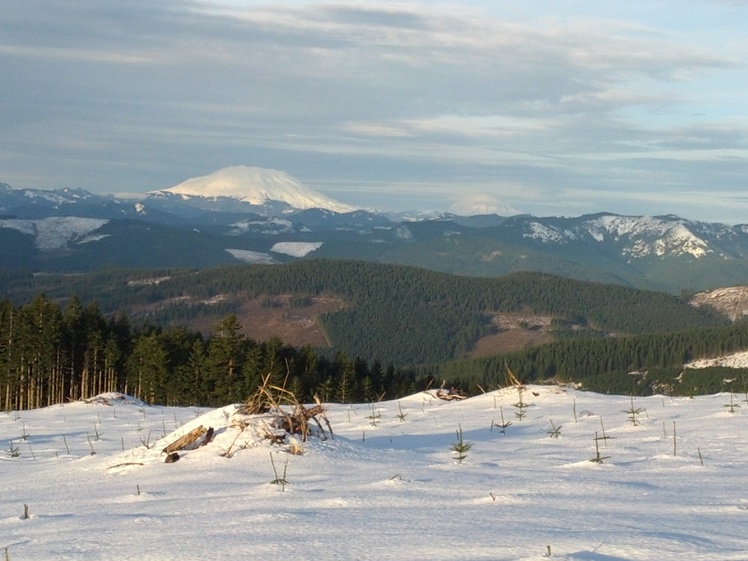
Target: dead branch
[[228, 453], [511, 379]]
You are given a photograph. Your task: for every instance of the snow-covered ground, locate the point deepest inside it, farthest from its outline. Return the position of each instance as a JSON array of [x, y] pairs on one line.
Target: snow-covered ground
[[387, 487]]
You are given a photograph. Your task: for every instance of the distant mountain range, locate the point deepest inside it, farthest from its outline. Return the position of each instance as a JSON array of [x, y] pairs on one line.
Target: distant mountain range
[[258, 215]]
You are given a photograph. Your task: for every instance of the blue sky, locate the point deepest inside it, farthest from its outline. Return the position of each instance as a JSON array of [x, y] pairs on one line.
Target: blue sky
[[544, 107]]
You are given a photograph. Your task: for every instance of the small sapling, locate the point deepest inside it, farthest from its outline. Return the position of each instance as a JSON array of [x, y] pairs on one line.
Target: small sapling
[[461, 448]]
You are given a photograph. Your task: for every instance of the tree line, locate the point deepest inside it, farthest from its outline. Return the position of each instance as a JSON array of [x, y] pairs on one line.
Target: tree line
[[51, 354], [635, 364]]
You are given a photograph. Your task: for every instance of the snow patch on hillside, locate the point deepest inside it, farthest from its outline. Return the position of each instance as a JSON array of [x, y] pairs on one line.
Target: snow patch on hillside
[[23, 226], [547, 234], [737, 360], [731, 301], [296, 249], [271, 226], [250, 256], [57, 231]]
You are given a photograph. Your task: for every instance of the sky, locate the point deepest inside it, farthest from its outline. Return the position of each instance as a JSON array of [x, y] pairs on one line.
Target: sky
[[547, 107]]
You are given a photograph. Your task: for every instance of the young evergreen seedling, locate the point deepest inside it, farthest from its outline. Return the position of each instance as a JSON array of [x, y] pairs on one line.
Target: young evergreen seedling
[[520, 405], [732, 405], [374, 417], [504, 424], [555, 431], [461, 448], [14, 451], [400, 416], [24, 434], [633, 413]]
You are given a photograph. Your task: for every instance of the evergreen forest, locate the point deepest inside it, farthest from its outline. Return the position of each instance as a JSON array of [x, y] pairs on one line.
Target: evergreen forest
[[401, 333], [397, 314], [51, 355]]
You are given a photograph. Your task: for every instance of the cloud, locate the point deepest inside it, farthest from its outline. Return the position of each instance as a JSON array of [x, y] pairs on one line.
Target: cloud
[[480, 203], [128, 95]]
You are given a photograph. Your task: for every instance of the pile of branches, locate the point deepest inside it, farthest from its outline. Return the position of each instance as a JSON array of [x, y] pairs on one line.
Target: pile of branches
[[447, 394], [293, 417]]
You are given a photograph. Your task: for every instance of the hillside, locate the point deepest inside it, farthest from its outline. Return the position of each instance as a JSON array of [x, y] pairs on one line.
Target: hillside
[[388, 486], [394, 314], [731, 301]]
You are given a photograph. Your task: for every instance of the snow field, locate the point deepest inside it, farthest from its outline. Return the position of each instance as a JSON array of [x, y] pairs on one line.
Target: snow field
[[390, 491]]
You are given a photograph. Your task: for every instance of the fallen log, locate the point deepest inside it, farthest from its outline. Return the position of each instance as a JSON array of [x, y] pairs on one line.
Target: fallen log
[[186, 440]]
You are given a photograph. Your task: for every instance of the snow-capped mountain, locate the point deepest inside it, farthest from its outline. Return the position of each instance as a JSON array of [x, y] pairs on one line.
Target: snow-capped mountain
[[255, 186]]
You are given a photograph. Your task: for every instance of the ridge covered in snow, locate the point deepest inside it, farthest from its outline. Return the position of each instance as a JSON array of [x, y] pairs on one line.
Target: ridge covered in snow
[[669, 235], [638, 236], [256, 186]]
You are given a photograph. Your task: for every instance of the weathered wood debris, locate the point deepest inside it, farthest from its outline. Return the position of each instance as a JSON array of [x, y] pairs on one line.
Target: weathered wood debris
[[292, 416]]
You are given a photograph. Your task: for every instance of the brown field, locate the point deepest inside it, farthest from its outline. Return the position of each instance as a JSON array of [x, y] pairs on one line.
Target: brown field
[[263, 319], [515, 331]]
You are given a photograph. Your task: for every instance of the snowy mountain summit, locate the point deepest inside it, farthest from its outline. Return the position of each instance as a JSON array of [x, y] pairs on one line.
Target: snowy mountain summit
[[256, 186]]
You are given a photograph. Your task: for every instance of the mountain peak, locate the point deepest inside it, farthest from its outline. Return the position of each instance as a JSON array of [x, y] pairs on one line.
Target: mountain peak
[[256, 186]]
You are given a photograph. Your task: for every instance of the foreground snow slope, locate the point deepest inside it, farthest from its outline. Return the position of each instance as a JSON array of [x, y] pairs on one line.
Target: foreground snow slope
[[390, 491]]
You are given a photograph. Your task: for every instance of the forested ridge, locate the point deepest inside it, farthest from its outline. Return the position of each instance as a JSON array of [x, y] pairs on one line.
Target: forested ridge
[[398, 314], [406, 315]]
